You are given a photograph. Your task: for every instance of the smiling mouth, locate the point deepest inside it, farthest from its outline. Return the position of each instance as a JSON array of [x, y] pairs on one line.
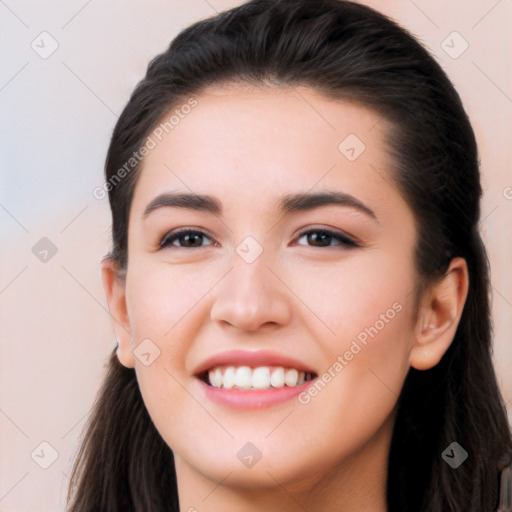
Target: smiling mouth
[[246, 378]]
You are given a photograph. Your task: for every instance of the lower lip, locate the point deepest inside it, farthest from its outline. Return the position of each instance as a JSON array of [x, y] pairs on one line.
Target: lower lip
[[252, 399]]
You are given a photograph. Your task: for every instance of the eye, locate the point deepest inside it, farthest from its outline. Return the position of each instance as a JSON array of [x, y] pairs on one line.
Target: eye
[[193, 239], [325, 237], [187, 239]]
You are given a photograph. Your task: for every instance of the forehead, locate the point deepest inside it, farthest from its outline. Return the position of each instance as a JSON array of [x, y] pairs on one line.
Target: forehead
[[255, 144]]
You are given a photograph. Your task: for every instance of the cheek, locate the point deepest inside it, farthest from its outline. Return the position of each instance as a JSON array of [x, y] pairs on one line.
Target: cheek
[[359, 388], [361, 292], [164, 310], [162, 299], [368, 306]]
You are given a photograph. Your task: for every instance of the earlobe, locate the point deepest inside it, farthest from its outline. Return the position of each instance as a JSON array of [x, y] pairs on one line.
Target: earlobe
[[439, 315], [115, 291]]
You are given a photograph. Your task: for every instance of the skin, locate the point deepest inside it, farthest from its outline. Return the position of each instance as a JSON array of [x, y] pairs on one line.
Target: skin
[[248, 147]]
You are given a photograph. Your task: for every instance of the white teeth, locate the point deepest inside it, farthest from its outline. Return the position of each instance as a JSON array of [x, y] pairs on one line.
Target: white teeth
[[291, 376], [219, 379], [215, 381], [229, 377], [262, 377], [277, 379], [243, 377]]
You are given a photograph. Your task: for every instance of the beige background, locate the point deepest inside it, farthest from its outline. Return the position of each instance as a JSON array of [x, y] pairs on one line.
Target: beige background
[[58, 114]]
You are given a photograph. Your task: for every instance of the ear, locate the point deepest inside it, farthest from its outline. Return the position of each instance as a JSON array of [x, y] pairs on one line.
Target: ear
[[115, 290], [439, 315]]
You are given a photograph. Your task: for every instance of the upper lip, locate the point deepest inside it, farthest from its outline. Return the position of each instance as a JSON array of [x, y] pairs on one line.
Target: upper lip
[[251, 358]]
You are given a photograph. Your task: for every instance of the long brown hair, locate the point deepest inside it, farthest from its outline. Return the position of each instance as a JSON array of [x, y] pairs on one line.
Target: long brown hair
[[346, 51]]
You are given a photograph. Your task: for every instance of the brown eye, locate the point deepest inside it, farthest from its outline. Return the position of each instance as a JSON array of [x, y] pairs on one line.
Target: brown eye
[[186, 238], [325, 237]]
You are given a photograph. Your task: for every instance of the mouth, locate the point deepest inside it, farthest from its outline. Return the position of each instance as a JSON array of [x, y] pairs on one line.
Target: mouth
[[252, 379], [258, 378]]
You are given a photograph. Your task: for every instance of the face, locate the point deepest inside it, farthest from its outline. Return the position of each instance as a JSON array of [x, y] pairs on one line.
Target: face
[[298, 266]]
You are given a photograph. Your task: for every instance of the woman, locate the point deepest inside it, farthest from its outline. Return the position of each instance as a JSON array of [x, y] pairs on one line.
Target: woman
[[297, 283]]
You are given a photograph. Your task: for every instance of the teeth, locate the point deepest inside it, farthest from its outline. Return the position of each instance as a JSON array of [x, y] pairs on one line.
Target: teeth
[[229, 378], [219, 379], [277, 378], [262, 377], [243, 377], [215, 377], [291, 376]]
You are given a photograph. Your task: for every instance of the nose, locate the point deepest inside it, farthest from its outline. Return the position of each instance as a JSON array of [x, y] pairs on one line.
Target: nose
[[251, 296]]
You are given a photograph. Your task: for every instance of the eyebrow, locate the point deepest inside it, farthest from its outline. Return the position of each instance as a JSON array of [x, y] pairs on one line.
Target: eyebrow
[[289, 203]]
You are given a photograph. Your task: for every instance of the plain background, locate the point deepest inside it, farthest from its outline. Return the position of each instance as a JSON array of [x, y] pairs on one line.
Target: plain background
[[57, 116]]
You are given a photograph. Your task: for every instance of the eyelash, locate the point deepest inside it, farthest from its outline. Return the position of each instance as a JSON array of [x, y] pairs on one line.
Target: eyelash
[[344, 240]]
